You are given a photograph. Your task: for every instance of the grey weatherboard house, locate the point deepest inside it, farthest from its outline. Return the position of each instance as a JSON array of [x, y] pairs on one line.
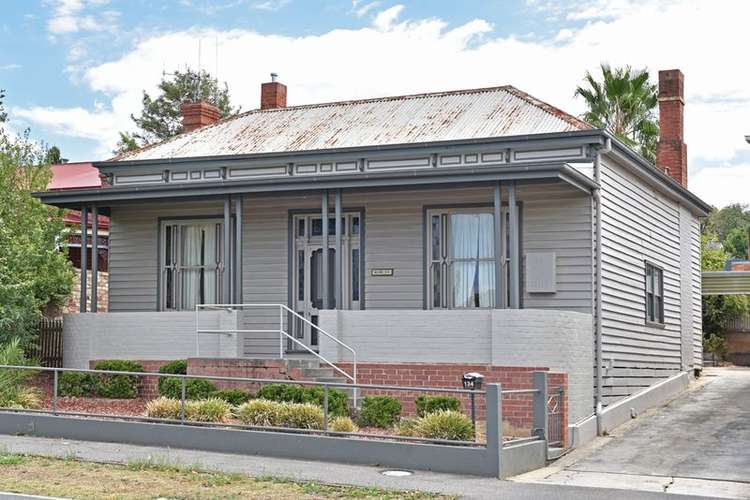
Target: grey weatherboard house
[[472, 228]]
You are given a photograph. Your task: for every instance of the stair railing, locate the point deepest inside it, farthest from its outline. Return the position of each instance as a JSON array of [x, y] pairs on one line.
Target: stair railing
[[282, 334]]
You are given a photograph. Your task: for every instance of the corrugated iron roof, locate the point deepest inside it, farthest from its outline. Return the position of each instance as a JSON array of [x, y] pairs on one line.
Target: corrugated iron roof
[[74, 176], [725, 283], [443, 116]]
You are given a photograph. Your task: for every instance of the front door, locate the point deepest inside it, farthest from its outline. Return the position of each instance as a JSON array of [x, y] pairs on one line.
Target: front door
[[308, 271]]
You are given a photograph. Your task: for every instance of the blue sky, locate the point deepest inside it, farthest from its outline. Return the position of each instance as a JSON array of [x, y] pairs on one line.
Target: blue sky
[[74, 70]]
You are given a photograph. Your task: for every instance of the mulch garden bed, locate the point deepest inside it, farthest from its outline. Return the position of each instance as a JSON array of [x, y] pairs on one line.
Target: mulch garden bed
[[103, 406]]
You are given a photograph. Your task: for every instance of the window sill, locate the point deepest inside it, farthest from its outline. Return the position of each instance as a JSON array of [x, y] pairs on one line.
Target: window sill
[[654, 324]]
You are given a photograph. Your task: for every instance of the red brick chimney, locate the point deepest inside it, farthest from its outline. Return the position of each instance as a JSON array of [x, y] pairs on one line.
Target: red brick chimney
[[198, 114], [272, 94], [671, 151]]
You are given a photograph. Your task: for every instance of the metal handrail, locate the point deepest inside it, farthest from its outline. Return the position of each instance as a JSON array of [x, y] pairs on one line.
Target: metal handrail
[[282, 333]]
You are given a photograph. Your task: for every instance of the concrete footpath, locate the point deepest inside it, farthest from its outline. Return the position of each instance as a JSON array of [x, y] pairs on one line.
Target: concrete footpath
[[463, 486], [698, 444]]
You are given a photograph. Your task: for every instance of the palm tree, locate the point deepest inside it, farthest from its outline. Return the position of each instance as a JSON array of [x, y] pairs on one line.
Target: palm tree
[[623, 102]]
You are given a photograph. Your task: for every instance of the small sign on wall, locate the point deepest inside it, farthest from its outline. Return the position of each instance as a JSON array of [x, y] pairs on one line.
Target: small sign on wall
[[381, 271]]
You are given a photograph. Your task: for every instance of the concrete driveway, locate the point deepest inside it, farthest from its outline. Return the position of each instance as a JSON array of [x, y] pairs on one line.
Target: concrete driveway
[[698, 444]]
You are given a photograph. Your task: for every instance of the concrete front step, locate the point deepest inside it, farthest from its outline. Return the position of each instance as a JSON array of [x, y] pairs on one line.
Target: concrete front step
[[315, 373]]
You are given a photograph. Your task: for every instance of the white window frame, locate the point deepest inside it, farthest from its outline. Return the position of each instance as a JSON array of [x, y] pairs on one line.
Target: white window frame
[[445, 259], [176, 253]]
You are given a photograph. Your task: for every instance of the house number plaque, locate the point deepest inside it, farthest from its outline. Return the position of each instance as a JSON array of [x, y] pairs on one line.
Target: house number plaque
[[381, 271]]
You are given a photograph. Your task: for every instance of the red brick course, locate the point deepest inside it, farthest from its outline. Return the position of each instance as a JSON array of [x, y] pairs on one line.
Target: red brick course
[[517, 408]]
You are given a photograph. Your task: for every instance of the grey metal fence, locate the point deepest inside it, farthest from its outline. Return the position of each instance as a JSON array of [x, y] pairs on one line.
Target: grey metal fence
[[433, 453]]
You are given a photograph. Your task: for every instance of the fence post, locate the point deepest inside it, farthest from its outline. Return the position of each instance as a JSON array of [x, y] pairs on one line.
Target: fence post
[[541, 422], [182, 399], [494, 403], [325, 408], [54, 392]]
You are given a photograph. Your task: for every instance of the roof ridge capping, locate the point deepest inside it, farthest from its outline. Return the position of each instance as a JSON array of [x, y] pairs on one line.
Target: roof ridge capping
[[555, 111]]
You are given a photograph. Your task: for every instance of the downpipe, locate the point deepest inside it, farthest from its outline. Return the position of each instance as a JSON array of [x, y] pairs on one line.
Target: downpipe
[[598, 284]]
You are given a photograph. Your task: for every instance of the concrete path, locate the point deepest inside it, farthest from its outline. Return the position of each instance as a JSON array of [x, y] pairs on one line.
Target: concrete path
[[698, 444], [463, 486]]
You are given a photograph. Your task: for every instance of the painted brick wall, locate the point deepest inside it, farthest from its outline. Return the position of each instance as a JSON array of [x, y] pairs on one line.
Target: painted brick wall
[[559, 340], [144, 335]]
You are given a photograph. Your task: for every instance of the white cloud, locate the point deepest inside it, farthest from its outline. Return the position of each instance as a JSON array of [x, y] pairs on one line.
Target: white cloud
[[385, 19], [359, 9], [723, 184], [395, 56], [72, 16], [269, 5], [9, 66]]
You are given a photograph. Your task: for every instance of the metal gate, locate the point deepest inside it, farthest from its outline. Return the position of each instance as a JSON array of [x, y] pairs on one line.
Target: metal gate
[[555, 418]]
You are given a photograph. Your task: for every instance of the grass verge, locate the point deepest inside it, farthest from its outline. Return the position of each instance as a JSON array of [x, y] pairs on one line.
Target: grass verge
[[158, 478]]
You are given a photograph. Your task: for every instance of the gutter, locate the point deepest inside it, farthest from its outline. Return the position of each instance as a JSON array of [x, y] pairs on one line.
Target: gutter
[[598, 282]]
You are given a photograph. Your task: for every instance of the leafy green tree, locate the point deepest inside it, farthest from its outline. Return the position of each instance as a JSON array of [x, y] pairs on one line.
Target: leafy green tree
[[623, 101], [160, 117], [34, 272], [721, 222], [3, 114], [53, 156], [736, 242]]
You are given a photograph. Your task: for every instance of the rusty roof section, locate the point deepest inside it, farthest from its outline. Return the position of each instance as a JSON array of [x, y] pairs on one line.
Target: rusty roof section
[[419, 118]]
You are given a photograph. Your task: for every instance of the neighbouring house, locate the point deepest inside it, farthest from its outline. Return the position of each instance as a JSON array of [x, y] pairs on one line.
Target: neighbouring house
[[433, 234], [71, 176]]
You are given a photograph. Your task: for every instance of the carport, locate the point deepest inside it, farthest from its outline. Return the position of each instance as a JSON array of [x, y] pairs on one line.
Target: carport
[[726, 283]]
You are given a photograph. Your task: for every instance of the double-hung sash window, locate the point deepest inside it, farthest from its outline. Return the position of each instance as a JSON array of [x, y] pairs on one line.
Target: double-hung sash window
[[191, 263], [654, 294], [461, 264]]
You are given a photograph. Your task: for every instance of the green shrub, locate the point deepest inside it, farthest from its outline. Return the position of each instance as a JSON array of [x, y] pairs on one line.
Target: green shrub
[[379, 411], [234, 397], [76, 384], [338, 401], [287, 393], [163, 408], [342, 424], [208, 410], [195, 388], [716, 345], [445, 424], [261, 412], [13, 392], [407, 427], [432, 404], [301, 416], [176, 367], [117, 386], [24, 398]]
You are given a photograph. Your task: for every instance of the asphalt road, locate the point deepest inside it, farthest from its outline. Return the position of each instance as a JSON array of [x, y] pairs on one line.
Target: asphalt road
[[699, 443]]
